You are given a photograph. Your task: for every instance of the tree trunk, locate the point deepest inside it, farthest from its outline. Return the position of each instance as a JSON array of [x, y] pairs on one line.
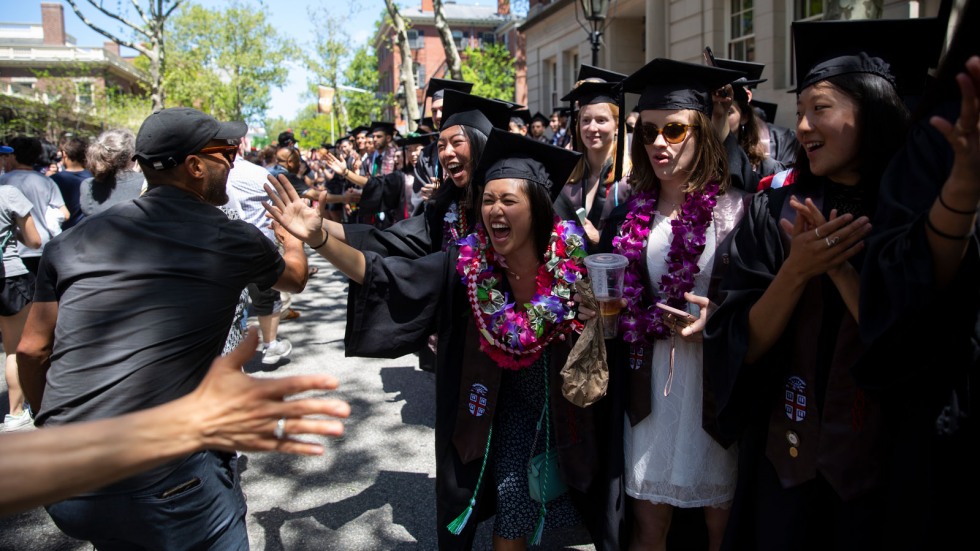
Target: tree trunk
[[453, 62], [408, 66]]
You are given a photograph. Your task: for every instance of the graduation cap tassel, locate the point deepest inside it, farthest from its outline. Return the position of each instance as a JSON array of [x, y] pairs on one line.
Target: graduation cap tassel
[[620, 136], [539, 529], [457, 525]]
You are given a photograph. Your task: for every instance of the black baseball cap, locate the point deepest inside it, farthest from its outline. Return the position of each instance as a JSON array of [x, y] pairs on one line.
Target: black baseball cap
[[898, 50], [669, 84], [168, 136], [286, 138], [509, 155]]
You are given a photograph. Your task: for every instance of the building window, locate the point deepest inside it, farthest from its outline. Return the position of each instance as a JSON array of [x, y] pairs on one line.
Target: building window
[[419, 75], [22, 87], [487, 39], [809, 10], [83, 93], [416, 39], [550, 84], [459, 40], [742, 31]]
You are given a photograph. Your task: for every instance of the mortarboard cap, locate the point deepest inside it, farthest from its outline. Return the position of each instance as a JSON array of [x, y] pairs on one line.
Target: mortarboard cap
[[769, 109], [358, 129], [384, 126], [438, 85], [753, 71], [593, 91], [562, 111], [474, 111], [669, 84], [508, 155], [524, 115], [899, 50], [586, 72], [425, 121], [327, 145], [416, 139], [539, 116]]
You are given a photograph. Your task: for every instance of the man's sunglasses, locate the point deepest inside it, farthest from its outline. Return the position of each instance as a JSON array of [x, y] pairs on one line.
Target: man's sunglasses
[[229, 152], [674, 132]]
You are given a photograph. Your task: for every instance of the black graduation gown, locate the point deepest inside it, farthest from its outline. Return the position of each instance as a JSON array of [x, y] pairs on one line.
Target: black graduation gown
[[826, 491], [427, 168], [385, 195], [400, 303], [924, 345], [572, 198], [782, 144]]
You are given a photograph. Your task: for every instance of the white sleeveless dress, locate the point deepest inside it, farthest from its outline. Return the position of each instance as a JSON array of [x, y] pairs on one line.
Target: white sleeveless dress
[[669, 457]]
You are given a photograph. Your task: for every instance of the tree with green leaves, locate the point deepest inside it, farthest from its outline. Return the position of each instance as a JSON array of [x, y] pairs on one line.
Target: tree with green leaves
[[225, 61], [362, 73], [149, 32], [491, 69]]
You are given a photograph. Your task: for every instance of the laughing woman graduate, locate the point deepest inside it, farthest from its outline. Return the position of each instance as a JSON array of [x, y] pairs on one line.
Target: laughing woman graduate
[[501, 302]]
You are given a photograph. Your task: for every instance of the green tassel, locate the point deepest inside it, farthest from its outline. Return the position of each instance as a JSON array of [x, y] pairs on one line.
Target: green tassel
[[539, 530], [457, 525]]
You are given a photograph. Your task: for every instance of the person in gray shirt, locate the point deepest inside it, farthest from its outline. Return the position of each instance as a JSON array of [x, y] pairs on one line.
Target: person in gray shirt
[[114, 178]]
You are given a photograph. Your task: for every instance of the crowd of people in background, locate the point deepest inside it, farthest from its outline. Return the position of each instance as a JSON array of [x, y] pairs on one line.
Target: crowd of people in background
[[786, 297]]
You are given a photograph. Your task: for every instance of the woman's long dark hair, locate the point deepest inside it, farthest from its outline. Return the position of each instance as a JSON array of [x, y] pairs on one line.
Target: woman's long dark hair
[[882, 121], [447, 193]]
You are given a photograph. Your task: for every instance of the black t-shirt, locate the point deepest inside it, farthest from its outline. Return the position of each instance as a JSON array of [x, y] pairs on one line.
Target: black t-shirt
[[146, 293]]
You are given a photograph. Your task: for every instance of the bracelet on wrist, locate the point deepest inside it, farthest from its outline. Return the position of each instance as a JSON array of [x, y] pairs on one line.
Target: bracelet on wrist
[[943, 234], [322, 243], [955, 211]]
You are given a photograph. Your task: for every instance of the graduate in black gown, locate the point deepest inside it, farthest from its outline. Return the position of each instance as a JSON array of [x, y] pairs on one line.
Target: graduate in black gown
[[498, 370], [450, 213], [920, 308], [780, 347], [427, 170]]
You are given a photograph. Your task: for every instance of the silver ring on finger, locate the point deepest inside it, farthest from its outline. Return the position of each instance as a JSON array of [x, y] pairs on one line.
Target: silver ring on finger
[[280, 431], [831, 241], [817, 231]]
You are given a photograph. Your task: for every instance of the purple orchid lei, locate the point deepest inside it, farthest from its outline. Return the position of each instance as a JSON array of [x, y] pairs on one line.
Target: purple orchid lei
[[515, 339], [453, 224], [641, 321]]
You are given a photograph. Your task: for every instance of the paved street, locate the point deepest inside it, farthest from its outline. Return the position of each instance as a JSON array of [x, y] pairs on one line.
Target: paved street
[[372, 490]]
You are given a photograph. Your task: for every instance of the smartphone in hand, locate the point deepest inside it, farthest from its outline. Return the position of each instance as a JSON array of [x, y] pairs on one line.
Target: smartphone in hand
[[679, 317], [580, 214]]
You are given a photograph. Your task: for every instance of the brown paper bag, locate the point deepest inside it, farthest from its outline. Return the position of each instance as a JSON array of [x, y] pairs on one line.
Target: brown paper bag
[[586, 373]]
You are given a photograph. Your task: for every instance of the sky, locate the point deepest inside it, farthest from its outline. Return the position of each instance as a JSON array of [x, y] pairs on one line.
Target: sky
[[290, 16]]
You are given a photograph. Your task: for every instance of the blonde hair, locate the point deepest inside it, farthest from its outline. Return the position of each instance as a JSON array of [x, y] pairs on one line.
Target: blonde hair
[[710, 162], [580, 168]]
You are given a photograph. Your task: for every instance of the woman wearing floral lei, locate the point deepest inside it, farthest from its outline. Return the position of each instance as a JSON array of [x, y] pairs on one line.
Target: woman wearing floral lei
[[501, 302], [680, 211]]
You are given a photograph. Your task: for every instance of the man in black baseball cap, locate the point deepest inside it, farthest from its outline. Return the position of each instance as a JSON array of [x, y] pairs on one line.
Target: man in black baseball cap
[[287, 139], [148, 290]]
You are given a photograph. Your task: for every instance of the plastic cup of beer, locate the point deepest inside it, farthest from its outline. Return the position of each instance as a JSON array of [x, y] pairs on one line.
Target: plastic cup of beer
[[606, 271]]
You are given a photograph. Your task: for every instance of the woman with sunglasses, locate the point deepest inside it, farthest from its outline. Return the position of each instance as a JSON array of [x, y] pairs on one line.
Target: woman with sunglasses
[[592, 186], [114, 175], [782, 343], [682, 207], [499, 299]]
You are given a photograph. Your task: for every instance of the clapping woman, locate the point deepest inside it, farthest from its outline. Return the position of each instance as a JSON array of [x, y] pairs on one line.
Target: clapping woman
[[500, 301], [782, 343]]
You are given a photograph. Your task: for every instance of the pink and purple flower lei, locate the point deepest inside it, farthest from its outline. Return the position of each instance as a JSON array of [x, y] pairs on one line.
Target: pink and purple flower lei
[[513, 338], [453, 224], [641, 321]]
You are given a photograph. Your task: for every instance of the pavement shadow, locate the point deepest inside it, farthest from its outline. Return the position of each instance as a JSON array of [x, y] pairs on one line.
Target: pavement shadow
[[417, 389], [400, 490]]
